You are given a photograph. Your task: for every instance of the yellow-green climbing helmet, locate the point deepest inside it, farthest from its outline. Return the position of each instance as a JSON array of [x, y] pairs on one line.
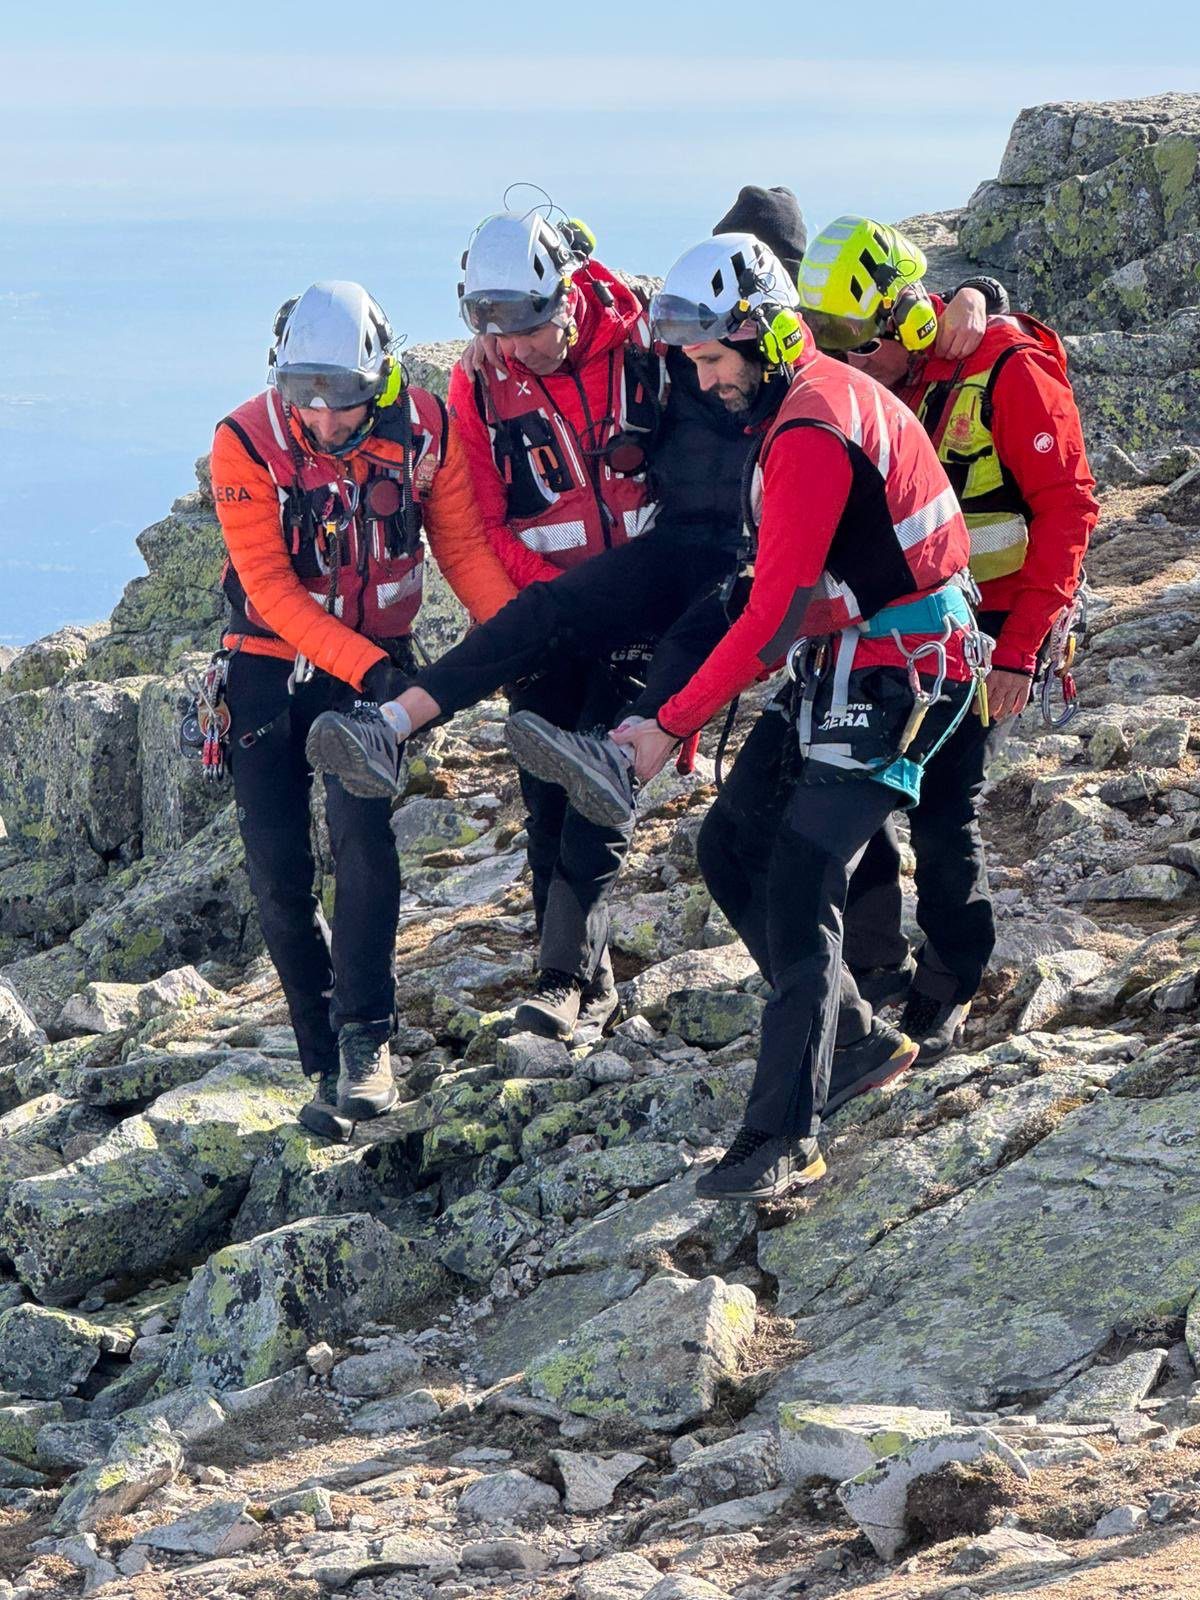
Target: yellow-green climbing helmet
[[852, 276]]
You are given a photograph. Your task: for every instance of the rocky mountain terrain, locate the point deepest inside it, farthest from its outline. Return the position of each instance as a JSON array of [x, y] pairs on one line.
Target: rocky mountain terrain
[[496, 1344]]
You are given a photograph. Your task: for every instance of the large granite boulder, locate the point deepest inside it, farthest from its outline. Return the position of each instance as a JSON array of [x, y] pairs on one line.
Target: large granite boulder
[[178, 606], [1094, 222], [157, 1190], [253, 1309]]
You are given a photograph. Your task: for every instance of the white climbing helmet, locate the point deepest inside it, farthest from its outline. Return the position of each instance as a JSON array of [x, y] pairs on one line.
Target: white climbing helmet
[[516, 271], [332, 348], [714, 287]]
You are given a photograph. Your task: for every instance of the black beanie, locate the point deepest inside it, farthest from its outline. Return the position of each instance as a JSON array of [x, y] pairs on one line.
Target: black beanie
[[772, 215]]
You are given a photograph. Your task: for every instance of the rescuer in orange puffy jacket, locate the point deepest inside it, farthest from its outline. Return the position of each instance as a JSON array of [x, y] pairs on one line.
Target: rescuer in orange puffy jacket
[[324, 485]]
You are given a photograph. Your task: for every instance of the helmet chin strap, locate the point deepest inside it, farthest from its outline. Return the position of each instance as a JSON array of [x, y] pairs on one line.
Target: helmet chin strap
[[352, 443]]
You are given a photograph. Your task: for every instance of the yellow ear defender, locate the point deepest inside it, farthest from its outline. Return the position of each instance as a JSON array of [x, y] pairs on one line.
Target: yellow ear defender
[[914, 318], [394, 381], [780, 332]]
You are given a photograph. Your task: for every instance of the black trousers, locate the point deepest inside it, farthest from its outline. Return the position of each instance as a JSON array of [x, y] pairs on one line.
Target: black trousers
[[954, 905], [349, 976], [659, 587], [573, 862], [556, 642], [777, 854]]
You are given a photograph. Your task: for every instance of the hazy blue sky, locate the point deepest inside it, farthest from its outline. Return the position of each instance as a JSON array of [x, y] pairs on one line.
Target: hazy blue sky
[[168, 175]]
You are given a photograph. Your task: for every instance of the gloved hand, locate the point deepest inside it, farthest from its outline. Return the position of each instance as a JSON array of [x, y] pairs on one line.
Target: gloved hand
[[384, 682]]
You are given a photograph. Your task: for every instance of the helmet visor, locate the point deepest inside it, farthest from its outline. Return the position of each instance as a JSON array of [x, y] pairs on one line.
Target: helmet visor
[[326, 388], [841, 333], [675, 320], [506, 311]]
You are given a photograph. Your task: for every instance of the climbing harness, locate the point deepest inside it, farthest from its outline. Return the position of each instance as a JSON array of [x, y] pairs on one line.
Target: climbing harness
[[1067, 634], [935, 618]]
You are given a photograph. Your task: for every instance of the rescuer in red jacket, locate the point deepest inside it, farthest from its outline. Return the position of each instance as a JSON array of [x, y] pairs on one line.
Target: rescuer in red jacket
[[858, 537], [324, 485], [556, 440], [1005, 425]]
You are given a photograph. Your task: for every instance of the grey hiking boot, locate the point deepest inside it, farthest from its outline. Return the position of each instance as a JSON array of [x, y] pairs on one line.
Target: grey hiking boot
[[365, 1086], [868, 1063], [553, 1008], [599, 1007], [936, 1025], [321, 1115], [597, 776], [360, 748], [761, 1166]]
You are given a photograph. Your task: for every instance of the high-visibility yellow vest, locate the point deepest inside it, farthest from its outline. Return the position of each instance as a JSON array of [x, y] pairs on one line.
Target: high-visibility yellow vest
[[996, 514]]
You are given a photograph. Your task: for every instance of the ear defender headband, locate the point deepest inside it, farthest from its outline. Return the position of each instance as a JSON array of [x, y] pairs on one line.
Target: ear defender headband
[[780, 330]]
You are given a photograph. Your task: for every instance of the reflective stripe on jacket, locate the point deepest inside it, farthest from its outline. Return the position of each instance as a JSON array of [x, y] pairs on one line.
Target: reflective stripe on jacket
[[549, 497]]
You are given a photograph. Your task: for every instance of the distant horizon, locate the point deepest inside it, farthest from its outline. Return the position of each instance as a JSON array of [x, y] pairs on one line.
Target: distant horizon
[[163, 195]]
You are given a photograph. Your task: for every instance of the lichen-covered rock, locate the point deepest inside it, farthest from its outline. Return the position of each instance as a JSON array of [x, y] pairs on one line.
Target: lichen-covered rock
[[69, 784], [479, 1233], [627, 1576], [423, 825], [656, 1357], [872, 1188], [638, 1231], [20, 1425], [1050, 983], [218, 1529], [143, 1457], [100, 1008], [711, 1019], [397, 1413], [156, 1190], [840, 1442], [377, 1372], [19, 1032], [1102, 1393], [177, 608], [47, 661], [725, 967], [581, 1185], [299, 1175], [47, 1354], [746, 1464], [190, 906], [1154, 882], [253, 1309], [1035, 1266], [1095, 222], [555, 1309]]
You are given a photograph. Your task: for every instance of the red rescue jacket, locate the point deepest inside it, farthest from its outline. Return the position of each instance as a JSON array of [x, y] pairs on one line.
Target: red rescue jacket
[[854, 514], [1018, 378], [548, 497], [323, 560]]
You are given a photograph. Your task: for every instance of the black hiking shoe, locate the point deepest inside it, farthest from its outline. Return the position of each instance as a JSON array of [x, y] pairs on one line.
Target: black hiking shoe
[[886, 986], [868, 1063], [321, 1115], [360, 748], [599, 1007], [936, 1025], [365, 1086], [760, 1166], [599, 780], [553, 1009]]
